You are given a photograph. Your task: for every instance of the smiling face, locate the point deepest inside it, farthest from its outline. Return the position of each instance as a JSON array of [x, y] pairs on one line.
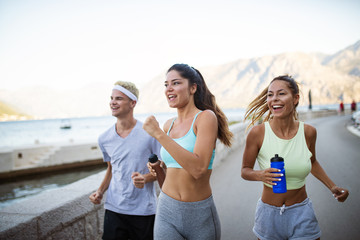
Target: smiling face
[[120, 104], [177, 90], [280, 99]]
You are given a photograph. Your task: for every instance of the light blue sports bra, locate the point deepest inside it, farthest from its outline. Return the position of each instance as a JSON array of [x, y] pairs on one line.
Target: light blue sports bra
[[187, 142]]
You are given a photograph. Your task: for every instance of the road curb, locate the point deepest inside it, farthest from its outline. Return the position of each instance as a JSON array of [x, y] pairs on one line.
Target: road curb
[[353, 130]]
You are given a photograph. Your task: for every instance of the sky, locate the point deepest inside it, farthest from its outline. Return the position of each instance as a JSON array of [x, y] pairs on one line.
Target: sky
[[68, 44]]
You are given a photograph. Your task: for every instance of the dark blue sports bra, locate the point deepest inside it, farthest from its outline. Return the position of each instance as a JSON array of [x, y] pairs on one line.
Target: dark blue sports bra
[[187, 142]]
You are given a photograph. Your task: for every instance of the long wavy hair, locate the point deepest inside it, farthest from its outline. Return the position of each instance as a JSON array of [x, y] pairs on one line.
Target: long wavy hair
[[204, 100], [258, 107]]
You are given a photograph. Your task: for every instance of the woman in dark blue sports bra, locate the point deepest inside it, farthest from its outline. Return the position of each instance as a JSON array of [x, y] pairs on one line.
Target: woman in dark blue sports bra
[[186, 208]]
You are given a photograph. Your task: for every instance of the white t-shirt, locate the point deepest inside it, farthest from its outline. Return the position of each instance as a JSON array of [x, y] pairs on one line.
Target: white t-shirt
[[128, 155]]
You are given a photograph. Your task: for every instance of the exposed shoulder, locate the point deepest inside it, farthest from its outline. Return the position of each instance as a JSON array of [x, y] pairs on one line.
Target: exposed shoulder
[[255, 137], [207, 114], [257, 131], [167, 124], [207, 123], [310, 131], [207, 119]]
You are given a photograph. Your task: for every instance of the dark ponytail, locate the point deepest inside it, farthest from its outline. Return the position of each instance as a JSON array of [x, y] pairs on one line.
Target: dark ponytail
[[204, 99]]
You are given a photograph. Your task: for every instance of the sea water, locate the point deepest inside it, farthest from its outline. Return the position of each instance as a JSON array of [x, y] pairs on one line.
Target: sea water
[[16, 134], [23, 133], [24, 187]]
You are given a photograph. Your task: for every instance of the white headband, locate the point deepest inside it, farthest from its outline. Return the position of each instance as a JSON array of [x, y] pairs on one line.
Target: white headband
[[126, 92]]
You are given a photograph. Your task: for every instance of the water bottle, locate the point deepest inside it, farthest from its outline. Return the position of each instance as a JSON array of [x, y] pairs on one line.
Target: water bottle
[[278, 162], [155, 164]]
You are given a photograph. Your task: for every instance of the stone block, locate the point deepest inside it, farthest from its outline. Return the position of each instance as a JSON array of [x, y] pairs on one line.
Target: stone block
[[101, 215], [72, 232], [18, 226], [6, 162]]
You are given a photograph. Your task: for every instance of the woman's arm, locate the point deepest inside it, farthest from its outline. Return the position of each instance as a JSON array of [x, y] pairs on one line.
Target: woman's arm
[[317, 171], [253, 144], [195, 163]]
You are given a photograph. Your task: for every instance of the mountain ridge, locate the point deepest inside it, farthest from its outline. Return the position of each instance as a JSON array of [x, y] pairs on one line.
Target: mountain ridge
[[234, 84]]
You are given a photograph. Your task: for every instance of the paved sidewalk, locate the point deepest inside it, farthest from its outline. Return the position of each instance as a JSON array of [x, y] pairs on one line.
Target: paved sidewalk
[[339, 154]]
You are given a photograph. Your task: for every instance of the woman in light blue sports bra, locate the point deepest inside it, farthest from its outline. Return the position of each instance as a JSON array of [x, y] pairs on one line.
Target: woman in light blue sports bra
[[286, 215], [186, 209]]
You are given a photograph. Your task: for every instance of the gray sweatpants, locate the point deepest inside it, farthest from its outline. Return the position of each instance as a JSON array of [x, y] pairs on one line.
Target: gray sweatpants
[[186, 220], [297, 221]]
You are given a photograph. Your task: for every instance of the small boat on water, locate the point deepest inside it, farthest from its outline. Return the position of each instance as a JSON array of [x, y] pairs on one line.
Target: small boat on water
[[65, 124]]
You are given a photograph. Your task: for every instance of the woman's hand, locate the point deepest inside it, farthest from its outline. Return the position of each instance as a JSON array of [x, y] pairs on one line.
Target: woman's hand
[[151, 126], [138, 180], [152, 171], [269, 175], [339, 193]]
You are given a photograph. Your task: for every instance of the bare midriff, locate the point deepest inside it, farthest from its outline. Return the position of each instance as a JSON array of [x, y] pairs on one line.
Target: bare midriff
[[180, 185], [289, 198]]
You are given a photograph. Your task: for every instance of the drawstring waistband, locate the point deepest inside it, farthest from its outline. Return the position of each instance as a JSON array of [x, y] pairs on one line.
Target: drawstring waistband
[[282, 209]]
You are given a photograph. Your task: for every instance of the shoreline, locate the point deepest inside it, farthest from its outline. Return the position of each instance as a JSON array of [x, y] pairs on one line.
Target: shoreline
[[36, 158], [25, 216]]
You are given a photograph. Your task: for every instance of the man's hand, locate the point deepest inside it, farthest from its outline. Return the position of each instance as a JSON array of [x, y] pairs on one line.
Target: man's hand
[[138, 180], [96, 197]]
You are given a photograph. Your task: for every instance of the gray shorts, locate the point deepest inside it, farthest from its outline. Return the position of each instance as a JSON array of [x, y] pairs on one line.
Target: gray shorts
[[186, 220], [297, 221]]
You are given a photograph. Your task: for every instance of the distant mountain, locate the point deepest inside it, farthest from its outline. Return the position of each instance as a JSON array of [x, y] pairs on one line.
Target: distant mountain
[[6, 109], [234, 84], [347, 60], [43, 102], [8, 112]]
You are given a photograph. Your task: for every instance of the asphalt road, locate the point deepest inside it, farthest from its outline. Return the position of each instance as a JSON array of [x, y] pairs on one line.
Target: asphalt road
[[338, 151]]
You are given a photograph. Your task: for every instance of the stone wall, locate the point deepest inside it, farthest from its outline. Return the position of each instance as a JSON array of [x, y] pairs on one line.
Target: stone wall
[[67, 213], [63, 213], [42, 158]]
